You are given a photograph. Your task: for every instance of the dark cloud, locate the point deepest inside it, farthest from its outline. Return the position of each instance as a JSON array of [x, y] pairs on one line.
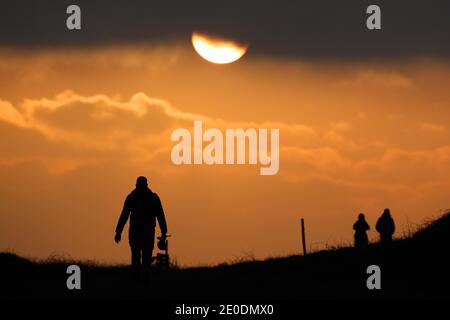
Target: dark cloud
[[312, 29]]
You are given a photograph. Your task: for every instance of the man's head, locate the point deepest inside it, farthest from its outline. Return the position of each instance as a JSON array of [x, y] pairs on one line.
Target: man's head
[[387, 212], [141, 182]]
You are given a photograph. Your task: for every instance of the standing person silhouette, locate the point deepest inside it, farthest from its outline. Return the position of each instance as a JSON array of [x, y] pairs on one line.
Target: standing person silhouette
[[385, 226], [361, 227], [143, 206]]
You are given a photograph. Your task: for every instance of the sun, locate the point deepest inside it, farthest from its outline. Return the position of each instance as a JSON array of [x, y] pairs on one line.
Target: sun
[[217, 50]]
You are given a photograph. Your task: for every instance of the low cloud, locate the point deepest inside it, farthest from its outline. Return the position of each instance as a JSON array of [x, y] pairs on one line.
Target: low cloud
[[140, 127]]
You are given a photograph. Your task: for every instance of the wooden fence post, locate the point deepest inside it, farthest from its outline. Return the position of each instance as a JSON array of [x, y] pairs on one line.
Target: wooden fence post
[[303, 237]]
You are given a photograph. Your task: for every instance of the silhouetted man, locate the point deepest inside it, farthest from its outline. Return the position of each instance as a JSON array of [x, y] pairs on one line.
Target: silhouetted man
[[361, 227], [385, 226], [143, 207]]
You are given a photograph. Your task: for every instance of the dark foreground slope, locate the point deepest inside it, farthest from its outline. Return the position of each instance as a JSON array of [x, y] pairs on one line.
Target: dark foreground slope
[[417, 267]]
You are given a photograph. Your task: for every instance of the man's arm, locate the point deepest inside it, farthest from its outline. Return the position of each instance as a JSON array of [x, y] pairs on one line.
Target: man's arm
[[161, 217], [122, 220]]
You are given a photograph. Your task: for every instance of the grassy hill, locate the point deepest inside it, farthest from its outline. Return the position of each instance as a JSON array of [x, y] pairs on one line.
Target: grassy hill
[[414, 267]]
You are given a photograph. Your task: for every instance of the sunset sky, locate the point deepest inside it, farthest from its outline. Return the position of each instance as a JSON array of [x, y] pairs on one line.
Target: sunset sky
[[364, 119]]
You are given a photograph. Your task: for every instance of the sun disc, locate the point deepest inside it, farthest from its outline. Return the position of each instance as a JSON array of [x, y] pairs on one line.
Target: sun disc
[[217, 50]]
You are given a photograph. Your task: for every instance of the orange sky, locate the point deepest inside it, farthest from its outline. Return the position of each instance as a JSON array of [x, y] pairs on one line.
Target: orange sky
[[78, 126]]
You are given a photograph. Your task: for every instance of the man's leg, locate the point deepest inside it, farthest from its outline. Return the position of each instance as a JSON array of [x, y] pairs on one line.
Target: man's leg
[[136, 260], [147, 253]]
